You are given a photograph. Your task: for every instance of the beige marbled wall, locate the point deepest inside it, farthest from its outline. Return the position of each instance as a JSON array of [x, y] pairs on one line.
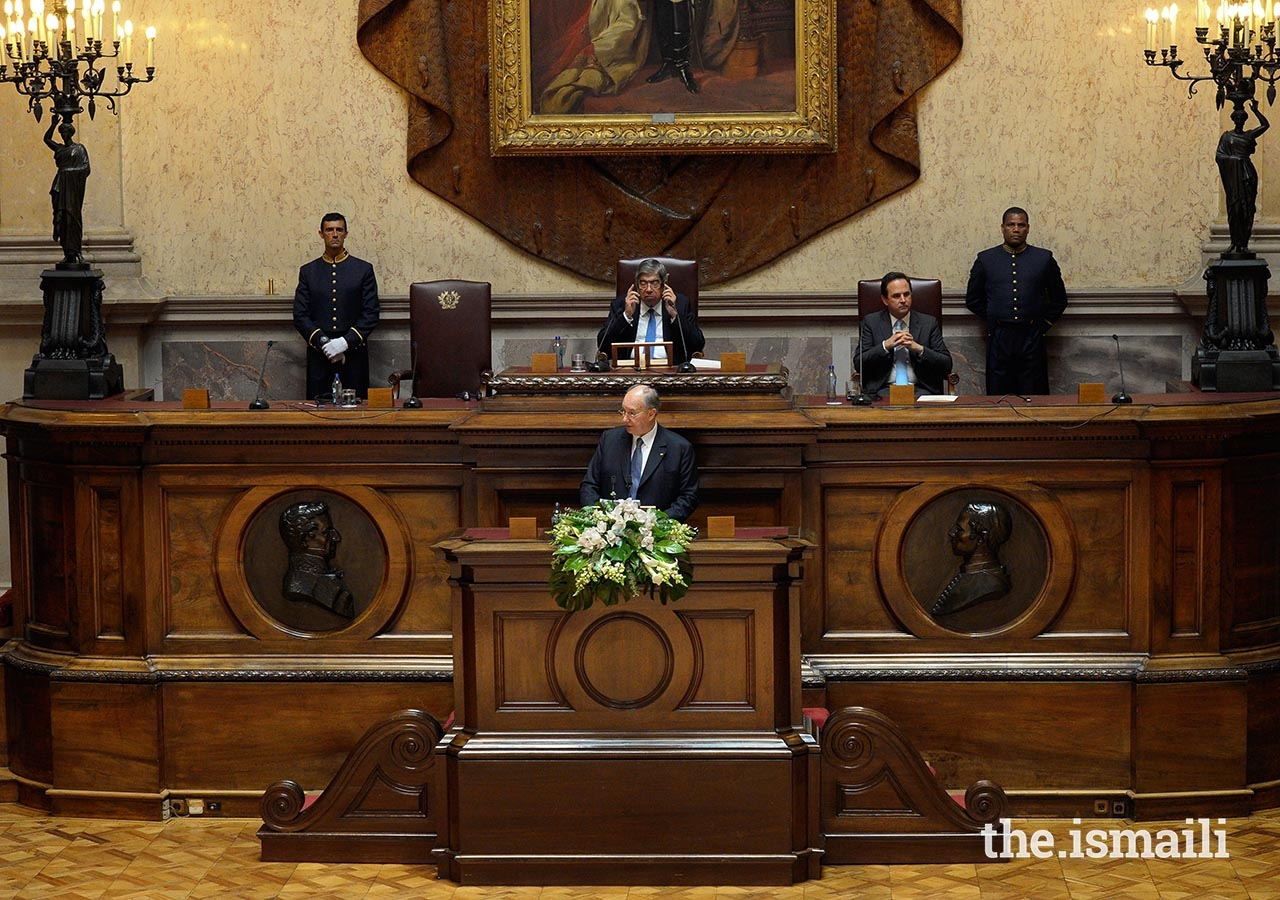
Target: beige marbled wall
[[265, 115]]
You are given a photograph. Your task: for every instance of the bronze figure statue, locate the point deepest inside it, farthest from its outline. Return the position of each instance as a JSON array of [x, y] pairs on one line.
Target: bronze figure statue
[[67, 191], [308, 533], [1239, 176], [980, 530]]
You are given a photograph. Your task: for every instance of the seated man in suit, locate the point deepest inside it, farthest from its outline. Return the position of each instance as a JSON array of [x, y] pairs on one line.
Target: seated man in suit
[[652, 311], [898, 346], [642, 460]]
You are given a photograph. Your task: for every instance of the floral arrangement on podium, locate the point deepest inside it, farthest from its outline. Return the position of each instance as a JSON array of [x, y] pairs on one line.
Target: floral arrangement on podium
[[616, 550]]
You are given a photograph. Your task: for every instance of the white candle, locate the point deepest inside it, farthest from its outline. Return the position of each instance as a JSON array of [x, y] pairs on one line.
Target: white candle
[[1152, 18], [115, 11], [128, 41], [151, 47]]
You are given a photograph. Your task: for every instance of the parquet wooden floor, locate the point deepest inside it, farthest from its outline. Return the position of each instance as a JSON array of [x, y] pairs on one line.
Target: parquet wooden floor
[[196, 858]]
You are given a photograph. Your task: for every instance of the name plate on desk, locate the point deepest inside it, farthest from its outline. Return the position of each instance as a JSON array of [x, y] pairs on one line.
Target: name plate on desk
[[545, 363], [1091, 392], [721, 528], [902, 395], [733, 362], [195, 398], [523, 528]]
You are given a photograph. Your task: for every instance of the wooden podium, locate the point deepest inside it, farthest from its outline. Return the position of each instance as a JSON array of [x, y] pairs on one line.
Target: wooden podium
[[634, 744]]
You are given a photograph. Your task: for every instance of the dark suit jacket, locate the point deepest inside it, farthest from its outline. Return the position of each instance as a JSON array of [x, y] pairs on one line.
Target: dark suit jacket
[[336, 300], [669, 482], [616, 330], [932, 365]]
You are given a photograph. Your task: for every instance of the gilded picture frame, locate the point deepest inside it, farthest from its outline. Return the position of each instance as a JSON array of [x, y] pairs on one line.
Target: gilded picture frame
[[562, 80]]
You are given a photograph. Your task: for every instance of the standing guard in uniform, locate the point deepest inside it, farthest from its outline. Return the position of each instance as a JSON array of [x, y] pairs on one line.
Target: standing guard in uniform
[[335, 309], [1017, 289]]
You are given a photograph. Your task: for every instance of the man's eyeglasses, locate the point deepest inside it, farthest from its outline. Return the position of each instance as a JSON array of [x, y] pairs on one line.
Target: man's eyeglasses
[[628, 414]]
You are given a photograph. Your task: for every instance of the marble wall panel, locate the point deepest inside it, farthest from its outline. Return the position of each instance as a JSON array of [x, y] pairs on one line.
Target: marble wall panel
[[229, 369]]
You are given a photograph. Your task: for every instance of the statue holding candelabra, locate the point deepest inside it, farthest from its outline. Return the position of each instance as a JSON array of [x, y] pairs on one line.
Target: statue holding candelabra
[[1237, 350], [49, 58], [1239, 176], [67, 191]]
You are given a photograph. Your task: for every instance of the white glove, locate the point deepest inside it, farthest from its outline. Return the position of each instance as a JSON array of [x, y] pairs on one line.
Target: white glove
[[335, 347]]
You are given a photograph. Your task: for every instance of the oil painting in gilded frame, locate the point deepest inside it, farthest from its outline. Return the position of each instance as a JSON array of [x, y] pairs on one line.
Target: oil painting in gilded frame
[[578, 76]]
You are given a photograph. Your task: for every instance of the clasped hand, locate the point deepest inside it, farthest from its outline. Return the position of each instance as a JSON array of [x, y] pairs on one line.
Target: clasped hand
[[335, 349], [901, 339]]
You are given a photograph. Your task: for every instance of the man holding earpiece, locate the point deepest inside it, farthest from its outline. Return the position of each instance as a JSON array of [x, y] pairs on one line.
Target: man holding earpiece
[[648, 313]]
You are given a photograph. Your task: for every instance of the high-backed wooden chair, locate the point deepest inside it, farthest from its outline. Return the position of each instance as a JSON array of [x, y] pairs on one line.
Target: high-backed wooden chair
[[450, 337], [926, 296], [682, 275]]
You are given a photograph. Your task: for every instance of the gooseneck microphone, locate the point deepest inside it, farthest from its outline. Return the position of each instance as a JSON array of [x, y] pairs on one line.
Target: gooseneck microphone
[[258, 402], [1121, 397], [861, 398], [687, 366], [412, 401]]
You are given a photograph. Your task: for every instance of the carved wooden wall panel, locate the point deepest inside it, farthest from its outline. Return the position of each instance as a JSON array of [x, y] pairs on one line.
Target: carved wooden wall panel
[[1206, 720], [48, 506], [208, 743], [962, 727], [1186, 559], [190, 516], [224, 558], [699, 659], [1252, 579], [731, 212], [104, 738], [887, 556]]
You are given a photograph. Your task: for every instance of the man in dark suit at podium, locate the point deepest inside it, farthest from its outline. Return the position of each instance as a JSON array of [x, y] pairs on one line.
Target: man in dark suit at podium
[[652, 311], [898, 345], [643, 460]]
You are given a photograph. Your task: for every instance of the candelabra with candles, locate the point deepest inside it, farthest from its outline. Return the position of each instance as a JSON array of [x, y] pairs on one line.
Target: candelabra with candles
[[51, 60], [1237, 351]]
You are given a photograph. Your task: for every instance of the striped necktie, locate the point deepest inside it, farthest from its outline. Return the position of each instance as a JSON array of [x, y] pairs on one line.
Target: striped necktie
[[637, 468]]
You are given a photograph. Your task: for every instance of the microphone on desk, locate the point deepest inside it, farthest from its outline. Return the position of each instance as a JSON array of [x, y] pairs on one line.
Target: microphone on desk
[[1121, 397], [687, 366], [412, 401], [860, 398], [258, 402], [601, 363]]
